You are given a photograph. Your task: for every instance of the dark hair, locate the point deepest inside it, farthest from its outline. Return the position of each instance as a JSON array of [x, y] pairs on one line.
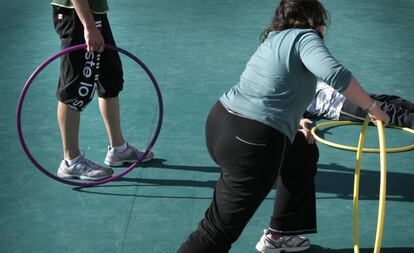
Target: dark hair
[[305, 14]]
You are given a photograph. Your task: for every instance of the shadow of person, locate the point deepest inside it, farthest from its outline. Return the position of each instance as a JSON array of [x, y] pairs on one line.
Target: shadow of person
[[331, 178], [319, 249], [162, 164], [339, 180]]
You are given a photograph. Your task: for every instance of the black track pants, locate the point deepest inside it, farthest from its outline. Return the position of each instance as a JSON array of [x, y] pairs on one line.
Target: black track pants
[[250, 155]]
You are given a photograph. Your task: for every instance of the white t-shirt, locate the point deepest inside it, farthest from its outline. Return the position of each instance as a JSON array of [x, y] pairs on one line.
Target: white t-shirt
[[327, 102]]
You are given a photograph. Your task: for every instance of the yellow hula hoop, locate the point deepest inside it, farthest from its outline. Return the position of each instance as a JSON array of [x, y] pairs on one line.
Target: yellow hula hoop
[[383, 172], [356, 184], [351, 148], [383, 180], [383, 186]]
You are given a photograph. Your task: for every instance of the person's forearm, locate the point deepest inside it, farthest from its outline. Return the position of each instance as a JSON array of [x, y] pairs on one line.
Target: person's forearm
[[93, 37], [357, 95], [85, 14]]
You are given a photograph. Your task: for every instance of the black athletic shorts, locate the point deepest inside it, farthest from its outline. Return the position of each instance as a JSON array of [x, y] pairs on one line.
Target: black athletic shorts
[[82, 72]]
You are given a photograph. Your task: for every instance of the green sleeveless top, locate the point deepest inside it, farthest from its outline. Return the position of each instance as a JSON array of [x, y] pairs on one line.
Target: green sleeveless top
[[97, 6]]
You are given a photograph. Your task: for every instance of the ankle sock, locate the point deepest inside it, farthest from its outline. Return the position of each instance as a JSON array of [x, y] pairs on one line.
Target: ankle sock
[[275, 235], [121, 148], [71, 162]]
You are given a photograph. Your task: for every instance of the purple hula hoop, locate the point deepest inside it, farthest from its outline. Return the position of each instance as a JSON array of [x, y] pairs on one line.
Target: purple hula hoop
[[29, 83]]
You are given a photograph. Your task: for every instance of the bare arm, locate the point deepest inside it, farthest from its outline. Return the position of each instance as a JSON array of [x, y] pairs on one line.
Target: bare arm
[[93, 36], [358, 96]]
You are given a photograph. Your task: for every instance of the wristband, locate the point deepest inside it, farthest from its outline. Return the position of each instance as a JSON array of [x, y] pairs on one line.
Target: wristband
[[372, 106]]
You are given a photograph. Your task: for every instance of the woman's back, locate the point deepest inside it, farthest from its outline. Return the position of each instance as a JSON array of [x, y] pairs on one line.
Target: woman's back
[[279, 80]]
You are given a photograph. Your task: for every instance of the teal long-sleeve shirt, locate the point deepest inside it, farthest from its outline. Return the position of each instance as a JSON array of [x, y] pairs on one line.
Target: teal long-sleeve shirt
[[279, 80]]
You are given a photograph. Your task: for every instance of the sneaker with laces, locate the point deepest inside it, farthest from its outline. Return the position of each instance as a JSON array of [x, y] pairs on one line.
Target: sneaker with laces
[[130, 155], [286, 243], [83, 169]]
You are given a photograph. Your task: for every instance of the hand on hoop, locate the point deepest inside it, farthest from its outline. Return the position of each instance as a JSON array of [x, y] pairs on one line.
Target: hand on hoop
[[375, 113], [305, 129], [94, 40]]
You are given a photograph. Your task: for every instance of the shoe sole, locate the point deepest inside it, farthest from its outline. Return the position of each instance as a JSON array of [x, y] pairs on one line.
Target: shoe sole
[[125, 162], [259, 247], [69, 176]]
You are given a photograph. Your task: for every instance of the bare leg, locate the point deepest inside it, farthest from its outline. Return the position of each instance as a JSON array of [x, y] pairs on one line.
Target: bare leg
[[69, 121], [110, 113]]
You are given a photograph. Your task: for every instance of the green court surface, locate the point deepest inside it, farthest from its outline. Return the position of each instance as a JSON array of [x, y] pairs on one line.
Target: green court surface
[[197, 49]]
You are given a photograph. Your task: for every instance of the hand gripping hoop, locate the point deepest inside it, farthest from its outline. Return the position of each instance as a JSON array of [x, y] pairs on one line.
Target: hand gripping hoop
[[29, 83]]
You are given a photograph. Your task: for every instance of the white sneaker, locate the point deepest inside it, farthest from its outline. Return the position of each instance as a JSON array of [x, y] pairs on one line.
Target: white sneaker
[[287, 243], [83, 169], [130, 155]]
